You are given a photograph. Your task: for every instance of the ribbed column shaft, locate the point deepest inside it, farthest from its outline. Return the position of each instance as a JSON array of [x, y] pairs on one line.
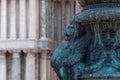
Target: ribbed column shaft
[[22, 19], [3, 20], [16, 66], [30, 66]]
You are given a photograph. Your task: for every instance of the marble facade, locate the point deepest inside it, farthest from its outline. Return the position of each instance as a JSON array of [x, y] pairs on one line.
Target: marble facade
[[29, 32]]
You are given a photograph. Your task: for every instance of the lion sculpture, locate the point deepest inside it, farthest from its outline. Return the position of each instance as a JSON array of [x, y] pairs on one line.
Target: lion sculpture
[[67, 56]]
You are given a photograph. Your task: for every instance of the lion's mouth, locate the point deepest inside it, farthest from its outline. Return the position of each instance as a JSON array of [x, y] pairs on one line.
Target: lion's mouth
[[67, 35]]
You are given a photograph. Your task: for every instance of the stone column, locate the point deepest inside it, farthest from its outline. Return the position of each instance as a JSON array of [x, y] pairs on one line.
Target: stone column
[[32, 19], [72, 8], [43, 20], [43, 65], [3, 19], [52, 18], [3, 67], [48, 66], [16, 66], [63, 14], [68, 12], [52, 74], [59, 17], [30, 66], [23, 64], [9, 64], [37, 66], [51, 70], [13, 19], [22, 17]]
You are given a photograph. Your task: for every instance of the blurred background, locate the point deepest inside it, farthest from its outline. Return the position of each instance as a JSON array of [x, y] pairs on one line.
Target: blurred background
[[30, 30]]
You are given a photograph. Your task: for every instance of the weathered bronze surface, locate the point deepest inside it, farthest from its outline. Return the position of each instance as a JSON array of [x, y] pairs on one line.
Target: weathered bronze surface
[[92, 51]]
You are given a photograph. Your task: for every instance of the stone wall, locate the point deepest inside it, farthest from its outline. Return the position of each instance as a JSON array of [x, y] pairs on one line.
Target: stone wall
[[29, 32]]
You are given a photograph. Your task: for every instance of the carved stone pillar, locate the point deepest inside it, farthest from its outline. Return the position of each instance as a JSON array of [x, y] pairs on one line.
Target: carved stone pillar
[[3, 20], [9, 64], [63, 14], [13, 32], [22, 19], [23, 64], [37, 66], [16, 66], [30, 66], [48, 66], [32, 19], [43, 65], [72, 8], [3, 67], [43, 26]]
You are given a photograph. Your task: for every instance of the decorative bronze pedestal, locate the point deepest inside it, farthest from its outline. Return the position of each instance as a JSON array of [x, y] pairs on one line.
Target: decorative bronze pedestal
[[92, 51]]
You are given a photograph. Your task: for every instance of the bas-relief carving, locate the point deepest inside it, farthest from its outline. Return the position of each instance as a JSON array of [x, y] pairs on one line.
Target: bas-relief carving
[[92, 48]]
